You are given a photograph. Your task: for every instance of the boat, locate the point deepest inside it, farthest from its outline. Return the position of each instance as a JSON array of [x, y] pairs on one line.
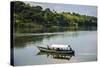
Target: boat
[[56, 48]]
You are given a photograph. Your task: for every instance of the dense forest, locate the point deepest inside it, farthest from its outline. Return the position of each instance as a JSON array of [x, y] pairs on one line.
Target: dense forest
[[27, 18]]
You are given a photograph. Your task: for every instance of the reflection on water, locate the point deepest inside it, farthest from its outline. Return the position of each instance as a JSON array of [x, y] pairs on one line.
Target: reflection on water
[[21, 40], [56, 55], [83, 42]]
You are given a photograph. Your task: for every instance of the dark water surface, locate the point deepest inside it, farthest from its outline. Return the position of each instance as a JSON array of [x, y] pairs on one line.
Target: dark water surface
[[83, 42]]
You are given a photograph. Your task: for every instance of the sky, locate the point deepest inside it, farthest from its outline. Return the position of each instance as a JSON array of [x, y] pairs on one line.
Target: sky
[[81, 9]]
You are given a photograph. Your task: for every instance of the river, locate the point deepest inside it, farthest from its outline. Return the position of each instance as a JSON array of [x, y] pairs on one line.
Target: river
[[26, 52]]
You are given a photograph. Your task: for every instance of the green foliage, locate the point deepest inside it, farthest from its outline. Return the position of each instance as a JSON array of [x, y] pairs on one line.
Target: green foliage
[[35, 19]]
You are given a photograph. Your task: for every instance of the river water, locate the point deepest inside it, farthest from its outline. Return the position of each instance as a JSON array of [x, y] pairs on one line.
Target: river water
[[26, 52]]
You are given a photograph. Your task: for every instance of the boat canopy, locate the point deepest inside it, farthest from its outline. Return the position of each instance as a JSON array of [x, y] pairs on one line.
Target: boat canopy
[[59, 46]]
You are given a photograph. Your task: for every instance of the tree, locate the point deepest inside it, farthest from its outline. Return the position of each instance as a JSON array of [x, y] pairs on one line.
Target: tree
[[34, 17]]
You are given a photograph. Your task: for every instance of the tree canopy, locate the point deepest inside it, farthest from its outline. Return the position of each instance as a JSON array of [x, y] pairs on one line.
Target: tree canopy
[[37, 19]]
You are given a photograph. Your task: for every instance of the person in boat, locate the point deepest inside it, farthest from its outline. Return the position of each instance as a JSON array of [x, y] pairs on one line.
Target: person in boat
[[58, 49], [69, 47], [48, 47]]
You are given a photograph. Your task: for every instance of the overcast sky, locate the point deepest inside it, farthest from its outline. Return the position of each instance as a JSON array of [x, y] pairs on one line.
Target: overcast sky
[[81, 9]]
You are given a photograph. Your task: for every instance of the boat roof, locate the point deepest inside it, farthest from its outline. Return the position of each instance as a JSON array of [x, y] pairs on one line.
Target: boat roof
[[59, 46]]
